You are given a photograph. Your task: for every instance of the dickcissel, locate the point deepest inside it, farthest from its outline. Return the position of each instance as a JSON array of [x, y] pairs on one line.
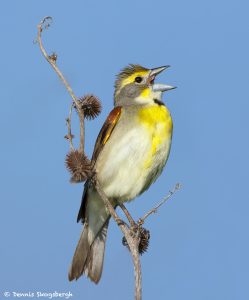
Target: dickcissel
[[130, 153]]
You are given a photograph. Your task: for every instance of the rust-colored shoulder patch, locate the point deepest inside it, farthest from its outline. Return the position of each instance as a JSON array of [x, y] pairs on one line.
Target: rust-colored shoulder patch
[[106, 131], [110, 123]]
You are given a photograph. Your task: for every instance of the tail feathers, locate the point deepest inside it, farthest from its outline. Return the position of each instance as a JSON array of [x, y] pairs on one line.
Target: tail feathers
[[95, 259], [89, 256], [80, 256]]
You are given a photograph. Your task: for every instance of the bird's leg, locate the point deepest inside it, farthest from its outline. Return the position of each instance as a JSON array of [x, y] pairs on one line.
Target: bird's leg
[[128, 216]]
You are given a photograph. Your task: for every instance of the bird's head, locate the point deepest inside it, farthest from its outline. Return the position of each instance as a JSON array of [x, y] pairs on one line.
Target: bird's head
[[135, 85]]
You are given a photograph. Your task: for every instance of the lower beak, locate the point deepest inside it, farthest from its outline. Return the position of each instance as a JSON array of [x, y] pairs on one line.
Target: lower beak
[[157, 87]]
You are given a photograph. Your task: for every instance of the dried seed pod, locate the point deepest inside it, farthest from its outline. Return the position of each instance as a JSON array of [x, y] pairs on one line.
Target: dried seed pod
[[144, 240], [78, 165], [91, 106]]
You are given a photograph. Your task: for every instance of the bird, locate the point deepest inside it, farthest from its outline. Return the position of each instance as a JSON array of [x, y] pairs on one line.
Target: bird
[[130, 153]]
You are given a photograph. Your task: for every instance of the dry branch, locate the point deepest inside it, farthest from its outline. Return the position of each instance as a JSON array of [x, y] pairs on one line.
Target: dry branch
[[136, 237]]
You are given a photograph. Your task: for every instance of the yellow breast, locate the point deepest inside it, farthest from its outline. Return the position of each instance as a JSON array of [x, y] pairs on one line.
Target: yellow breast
[[158, 122]]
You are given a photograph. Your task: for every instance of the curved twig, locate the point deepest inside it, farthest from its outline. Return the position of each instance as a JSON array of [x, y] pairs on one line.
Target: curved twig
[[45, 24], [127, 214]]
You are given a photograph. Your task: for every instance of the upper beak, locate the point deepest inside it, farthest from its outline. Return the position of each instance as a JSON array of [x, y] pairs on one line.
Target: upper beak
[[157, 71], [159, 87]]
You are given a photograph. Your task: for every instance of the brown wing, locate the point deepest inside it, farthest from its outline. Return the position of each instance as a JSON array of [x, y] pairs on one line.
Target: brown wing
[[102, 138], [106, 131]]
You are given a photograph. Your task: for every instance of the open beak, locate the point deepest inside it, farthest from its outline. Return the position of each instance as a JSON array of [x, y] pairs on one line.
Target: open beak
[[156, 86]]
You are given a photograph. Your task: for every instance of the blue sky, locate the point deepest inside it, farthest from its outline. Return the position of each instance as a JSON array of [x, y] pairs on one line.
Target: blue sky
[[199, 240]]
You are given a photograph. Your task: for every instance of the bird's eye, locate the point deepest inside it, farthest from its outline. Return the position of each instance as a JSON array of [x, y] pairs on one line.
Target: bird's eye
[[138, 79]]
